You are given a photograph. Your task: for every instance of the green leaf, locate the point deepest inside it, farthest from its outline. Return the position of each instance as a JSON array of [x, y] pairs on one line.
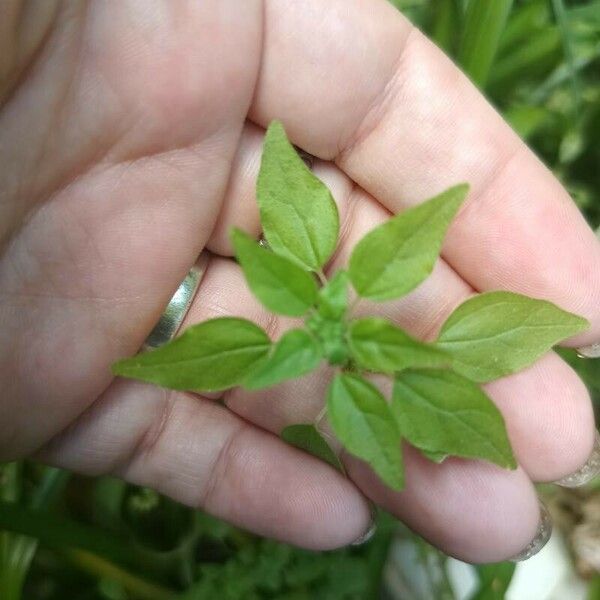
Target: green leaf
[[361, 418], [282, 286], [333, 297], [394, 258], [213, 355], [378, 345], [307, 438], [498, 333], [443, 412], [295, 354], [298, 214]]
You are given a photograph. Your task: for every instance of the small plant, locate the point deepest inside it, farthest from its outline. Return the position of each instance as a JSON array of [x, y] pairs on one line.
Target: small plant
[[437, 404]]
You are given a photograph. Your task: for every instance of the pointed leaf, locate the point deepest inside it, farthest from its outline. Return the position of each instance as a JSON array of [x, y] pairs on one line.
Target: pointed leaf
[[394, 258], [298, 214], [443, 412], [378, 345], [282, 286], [333, 297], [213, 355], [295, 354], [306, 437], [498, 333], [361, 418]]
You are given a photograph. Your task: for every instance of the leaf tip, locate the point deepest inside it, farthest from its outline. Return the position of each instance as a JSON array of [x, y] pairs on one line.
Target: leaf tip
[[276, 130], [396, 482], [459, 193], [582, 324], [119, 368], [235, 233], [237, 237]]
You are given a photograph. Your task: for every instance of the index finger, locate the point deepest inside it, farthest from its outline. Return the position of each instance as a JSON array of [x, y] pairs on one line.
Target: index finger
[[354, 82]]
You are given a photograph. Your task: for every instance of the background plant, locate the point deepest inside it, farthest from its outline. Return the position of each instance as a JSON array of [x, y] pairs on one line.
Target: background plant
[[550, 94]]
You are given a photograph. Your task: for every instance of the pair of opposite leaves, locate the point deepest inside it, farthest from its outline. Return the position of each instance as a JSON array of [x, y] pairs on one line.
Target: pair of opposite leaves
[[437, 404]]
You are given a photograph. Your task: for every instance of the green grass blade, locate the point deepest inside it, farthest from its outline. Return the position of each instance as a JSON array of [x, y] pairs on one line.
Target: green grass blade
[[445, 24], [49, 488], [17, 551], [524, 20], [562, 21], [526, 62], [484, 22], [58, 532]]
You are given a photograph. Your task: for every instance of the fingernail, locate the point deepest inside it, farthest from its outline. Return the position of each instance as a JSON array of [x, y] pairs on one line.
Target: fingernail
[[588, 472], [541, 538], [592, 351], [370, 532]]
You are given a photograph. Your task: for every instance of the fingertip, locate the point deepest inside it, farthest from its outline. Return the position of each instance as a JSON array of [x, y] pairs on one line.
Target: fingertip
[[281, 492], [549, 416], [471, 510]]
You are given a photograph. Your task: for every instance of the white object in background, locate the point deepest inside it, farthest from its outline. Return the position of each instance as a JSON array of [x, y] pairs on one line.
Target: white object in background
[[548, 575]]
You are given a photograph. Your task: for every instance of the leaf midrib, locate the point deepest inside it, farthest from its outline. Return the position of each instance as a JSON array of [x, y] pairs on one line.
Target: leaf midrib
[[500, 334], [451, 414], [391, 264], [214, 355], [305, 229]]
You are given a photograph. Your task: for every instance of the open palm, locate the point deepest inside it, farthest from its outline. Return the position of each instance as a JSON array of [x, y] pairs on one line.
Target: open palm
[[130, 135]]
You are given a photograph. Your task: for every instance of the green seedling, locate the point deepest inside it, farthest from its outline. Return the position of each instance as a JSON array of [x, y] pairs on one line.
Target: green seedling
[[437, 404]]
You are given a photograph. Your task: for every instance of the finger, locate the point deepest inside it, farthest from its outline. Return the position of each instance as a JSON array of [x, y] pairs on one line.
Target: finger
[[547, 408], [201, 454], [404, 123], [471, 510]]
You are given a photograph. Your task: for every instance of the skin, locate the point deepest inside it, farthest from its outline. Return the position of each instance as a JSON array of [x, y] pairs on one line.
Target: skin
[[130, 137]]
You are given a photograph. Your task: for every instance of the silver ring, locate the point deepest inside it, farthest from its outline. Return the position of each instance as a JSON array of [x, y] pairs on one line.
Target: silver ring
[[170, 321]]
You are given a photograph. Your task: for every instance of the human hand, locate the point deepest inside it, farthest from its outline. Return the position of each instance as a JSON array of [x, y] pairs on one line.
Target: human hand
[[130, 140]]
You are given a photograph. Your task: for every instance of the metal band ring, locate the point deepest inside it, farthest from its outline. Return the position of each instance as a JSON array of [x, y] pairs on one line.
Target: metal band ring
[[170, 321]]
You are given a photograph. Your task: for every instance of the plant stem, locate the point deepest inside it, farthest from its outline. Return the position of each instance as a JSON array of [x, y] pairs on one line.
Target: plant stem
[[352, 307], [98, 567], [320, 416]]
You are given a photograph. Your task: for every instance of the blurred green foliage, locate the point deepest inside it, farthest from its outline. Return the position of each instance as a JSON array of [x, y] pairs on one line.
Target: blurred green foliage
[[538, 61], [105, 539]]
